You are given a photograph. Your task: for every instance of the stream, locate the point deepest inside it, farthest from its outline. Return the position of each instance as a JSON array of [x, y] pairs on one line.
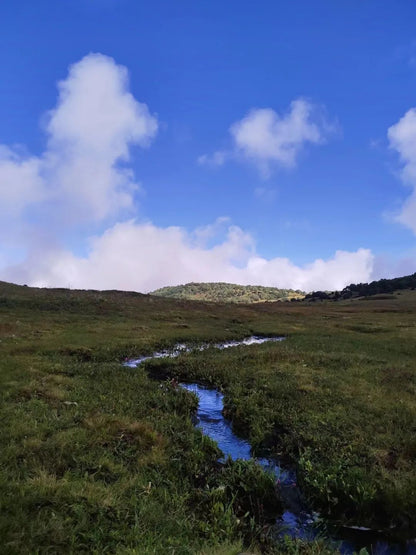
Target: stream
[[296, 521]]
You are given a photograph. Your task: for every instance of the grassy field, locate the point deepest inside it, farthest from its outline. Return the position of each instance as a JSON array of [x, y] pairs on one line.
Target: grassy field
[[97, 457]]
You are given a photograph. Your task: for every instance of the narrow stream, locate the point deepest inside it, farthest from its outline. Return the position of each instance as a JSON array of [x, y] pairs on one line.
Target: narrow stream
[[296, 520], [181, 348]]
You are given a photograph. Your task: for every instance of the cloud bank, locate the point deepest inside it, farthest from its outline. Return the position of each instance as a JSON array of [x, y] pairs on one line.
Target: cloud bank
[[79, 177], [75, 198], [268, 139], [143, 257], [402, 137]]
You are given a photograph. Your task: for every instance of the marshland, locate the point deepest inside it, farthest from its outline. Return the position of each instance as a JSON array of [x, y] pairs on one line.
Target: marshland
[[100, 457]]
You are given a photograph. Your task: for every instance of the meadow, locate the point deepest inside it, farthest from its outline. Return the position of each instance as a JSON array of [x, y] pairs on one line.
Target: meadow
[[100, 458]]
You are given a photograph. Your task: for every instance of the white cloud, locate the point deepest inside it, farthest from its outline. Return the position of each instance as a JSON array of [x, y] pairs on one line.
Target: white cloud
[[402, 137], [143, 257], [268, 139], [21, 183], [90, 131], [203, 235], [80, 178], [337, 272]]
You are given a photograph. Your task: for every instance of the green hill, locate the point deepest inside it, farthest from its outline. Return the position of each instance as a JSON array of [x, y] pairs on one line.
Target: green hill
[[354, 290], [228, 293]]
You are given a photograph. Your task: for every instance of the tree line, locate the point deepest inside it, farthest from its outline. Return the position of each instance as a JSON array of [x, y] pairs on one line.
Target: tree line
[[379, 287]]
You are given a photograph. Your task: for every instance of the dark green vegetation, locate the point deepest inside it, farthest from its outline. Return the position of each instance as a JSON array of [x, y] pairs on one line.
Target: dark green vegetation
[[379, 287], [96, 457], [228, 293]]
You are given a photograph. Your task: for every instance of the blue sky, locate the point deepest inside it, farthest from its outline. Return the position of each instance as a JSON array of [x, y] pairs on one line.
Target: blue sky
[[270, 142]]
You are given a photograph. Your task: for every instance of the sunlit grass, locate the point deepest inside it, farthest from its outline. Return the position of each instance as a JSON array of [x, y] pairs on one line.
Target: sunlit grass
[[97, 457]]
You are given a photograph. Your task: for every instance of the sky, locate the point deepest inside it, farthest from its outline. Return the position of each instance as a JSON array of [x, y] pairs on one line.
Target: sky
[[145, 144]]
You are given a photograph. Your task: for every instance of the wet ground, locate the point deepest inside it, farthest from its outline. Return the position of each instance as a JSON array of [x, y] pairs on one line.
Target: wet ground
[[296, 521]]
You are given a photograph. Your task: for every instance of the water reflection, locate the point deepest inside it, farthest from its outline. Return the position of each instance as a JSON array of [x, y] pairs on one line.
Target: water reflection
[[296, 520]]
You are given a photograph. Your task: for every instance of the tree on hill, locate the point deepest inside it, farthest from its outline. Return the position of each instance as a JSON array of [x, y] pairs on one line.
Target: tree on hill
[[379, 287], [228, 292]]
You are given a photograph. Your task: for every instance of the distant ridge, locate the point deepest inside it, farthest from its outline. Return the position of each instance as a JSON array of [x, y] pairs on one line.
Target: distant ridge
[[228, 293], [379, 287]]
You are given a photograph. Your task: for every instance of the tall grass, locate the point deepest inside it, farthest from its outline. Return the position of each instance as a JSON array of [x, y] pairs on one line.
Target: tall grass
[[97, 457]]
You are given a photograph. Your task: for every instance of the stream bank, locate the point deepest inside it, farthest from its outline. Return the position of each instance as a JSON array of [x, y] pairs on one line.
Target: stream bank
[[296, 521]]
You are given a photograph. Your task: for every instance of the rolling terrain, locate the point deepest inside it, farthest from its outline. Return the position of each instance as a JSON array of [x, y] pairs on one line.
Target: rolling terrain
[[228, 293], [98, 457]]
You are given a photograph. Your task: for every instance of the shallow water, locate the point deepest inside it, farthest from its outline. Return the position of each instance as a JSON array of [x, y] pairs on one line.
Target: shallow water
[[211, 422], [181, 348], [296, 521]]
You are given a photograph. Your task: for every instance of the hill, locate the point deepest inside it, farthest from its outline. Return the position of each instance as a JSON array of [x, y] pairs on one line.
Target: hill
[[228, 293], [379, 287]]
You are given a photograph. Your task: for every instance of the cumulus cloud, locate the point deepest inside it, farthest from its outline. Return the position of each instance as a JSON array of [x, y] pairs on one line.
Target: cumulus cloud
[[143, 257], [268, 139], [21, 183], [90, 131], [82, 177], [335, 273], [402, 137]]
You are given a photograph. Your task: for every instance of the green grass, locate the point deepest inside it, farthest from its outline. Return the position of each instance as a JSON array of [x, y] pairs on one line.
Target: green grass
[[228, 293], [96, 457]]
